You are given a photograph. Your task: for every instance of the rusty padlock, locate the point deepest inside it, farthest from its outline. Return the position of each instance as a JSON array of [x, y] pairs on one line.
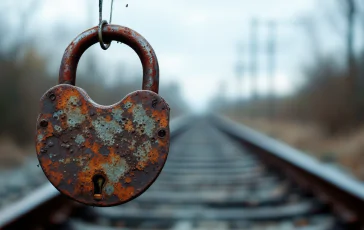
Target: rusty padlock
[[103, 155]]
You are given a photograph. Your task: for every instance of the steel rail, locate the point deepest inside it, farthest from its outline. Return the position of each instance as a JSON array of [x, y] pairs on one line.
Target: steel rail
[[37, 208], [343, 192]]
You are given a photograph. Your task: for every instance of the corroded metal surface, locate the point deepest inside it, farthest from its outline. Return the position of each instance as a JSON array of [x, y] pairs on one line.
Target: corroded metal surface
[[67, 72], [103, 155], [126, 144]]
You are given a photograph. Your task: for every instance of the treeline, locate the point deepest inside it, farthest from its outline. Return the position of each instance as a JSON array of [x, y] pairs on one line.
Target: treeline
[[24, 80], [332, 95], [25, 75]]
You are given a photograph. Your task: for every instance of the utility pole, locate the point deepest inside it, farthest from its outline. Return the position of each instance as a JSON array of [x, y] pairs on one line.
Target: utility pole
[[222, 96], [271, 51], [253, 66], [253, 57], [239, 75], [239, 70]]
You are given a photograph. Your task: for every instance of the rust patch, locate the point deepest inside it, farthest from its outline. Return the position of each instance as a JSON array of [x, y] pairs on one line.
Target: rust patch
[[77, 139], [67, 72]]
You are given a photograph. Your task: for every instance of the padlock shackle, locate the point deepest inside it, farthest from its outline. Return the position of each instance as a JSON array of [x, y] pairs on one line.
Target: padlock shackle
[[73, 53]]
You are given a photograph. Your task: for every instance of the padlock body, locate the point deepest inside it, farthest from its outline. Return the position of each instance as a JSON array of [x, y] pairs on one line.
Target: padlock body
[[78, 140]]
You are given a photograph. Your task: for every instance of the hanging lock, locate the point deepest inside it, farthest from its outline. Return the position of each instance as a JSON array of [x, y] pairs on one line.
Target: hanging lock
[[103, 155]]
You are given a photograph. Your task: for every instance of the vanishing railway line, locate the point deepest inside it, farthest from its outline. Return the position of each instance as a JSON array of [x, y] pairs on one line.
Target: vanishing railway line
[[218, 176]]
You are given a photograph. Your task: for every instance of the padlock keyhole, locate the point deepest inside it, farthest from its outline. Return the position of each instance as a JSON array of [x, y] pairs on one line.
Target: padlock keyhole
[[98, 181]]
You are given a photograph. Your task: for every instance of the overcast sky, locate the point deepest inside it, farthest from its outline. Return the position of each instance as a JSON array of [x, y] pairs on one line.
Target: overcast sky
[[195, 41]]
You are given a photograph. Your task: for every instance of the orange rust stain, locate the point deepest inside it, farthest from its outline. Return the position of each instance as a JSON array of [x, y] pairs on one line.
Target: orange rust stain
[[84, 107], [162, 142], [63, 102], [64, 124], [141, 165], [46, 163], [124, 193], [98, 110], [153, 156], [38, 147], [108, 118], [127, 180], [128, 99], [112, 153], [95, 147], [164, 121], [87, 143], [49, 131], [94, 167], [46, 116], [131, 109], [129, 126], [85, 177], [82, 183], [57, 177], [162, 116], [66, 94]]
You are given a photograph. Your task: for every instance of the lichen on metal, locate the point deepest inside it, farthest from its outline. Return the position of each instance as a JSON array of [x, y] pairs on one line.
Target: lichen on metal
[[122, 145], [103, 155], [79, 139], [143, 151], [116, 169], [117, 114], [106, 130], [58, 128], [142, 119]]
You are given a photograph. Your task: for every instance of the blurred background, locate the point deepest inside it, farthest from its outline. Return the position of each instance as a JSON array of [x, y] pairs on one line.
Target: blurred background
[[290, 69]]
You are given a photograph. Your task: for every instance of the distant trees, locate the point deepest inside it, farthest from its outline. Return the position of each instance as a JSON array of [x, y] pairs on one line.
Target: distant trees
[[332, 95], [24, 78], [23, 82]]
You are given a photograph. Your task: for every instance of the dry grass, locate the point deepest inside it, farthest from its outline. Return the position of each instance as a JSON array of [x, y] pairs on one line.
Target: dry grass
[[11, 155], [346, 149]]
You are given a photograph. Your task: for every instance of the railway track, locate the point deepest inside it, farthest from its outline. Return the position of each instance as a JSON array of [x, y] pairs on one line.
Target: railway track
[[218, 176]]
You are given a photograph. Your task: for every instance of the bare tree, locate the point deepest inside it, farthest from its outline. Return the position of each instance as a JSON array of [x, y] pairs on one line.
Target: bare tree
[[26, 12], [350, 13], [342, 20]]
